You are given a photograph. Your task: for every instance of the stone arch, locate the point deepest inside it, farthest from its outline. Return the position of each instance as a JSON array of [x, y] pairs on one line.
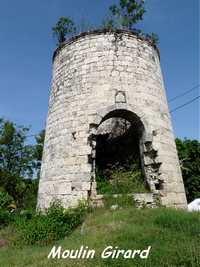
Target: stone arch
[[148, 154], [98, 118]]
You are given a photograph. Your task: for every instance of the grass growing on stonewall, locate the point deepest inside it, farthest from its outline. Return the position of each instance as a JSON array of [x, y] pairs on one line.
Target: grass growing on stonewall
[[173, 234], [121, 181]]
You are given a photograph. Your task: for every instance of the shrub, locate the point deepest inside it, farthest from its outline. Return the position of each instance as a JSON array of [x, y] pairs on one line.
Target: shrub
[[63, 27], [55, 224], [120, 181], [127, 13], [5, 200], [154, 38], [5, 218]]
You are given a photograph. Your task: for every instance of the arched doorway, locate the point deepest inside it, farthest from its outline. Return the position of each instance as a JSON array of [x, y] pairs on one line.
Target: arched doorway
[[118, 165]]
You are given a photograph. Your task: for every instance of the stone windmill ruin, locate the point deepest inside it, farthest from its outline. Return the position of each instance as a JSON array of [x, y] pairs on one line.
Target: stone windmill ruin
[[99, 78]]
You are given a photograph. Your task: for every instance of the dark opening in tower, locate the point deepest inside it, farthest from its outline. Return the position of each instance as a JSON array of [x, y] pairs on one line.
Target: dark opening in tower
[[118, 156]]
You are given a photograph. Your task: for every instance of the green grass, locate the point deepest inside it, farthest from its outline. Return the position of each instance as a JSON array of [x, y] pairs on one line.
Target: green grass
[[120, 182], [173, 235]]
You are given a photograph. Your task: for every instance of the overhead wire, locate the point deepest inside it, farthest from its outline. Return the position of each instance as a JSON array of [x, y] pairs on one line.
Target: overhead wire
[[172, 99], [185, 104], [184, 93]]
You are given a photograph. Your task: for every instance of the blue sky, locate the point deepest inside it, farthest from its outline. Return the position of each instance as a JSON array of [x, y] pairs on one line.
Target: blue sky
[[26, 47]]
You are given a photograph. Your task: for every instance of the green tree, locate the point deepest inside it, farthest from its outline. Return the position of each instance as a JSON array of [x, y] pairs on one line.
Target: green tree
[[30, 196], [63, 27], [15, 155], [189, 156], [16, 159], [127, 13], [38, 150]]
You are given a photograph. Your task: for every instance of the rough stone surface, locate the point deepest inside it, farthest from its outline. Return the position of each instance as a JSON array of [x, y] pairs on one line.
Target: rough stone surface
[[98, 76], [146, 200], [140, 200]]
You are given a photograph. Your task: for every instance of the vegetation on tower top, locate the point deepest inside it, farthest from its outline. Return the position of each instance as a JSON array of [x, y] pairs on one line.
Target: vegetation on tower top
[[124, 16]]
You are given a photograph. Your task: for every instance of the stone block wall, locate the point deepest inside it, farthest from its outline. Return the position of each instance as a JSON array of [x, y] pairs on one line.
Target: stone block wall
[[95, 76]]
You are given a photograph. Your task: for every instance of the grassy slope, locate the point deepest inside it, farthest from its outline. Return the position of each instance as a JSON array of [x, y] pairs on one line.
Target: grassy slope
[[173, 235]]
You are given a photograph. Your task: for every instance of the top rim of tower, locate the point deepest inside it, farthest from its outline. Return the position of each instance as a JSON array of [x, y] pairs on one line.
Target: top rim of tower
[[105, 31]]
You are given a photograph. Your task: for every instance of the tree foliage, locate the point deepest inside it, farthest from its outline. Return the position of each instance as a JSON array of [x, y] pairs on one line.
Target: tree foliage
[[38, 150], [124, 15], [16, 158], [189, 156], [127, 13], [19, 161], [63, 27]]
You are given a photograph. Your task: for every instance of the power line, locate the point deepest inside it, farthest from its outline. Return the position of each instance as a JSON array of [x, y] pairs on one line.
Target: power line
[[173, 110], [185, 104], [185, 93]]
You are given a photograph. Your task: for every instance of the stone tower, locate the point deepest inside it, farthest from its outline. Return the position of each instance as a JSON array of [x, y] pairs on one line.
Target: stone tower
[[97, 76]]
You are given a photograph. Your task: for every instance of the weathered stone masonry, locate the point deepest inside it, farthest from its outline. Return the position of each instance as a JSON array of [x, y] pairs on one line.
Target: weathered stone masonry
[[97, 76]]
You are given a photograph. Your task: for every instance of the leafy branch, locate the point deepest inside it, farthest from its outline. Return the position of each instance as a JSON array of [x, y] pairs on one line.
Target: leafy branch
[[123, 16], [64, 26]]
